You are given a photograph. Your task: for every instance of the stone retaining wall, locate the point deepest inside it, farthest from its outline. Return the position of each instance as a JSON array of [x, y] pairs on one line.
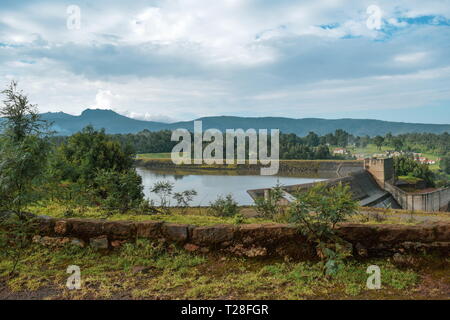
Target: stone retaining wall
[[248, 239]]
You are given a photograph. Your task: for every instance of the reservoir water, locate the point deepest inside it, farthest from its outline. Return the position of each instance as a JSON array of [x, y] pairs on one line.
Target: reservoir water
[[209, 185]]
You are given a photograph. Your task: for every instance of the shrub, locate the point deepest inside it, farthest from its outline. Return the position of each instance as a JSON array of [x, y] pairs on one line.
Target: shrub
[[16, 234], [23, 151], [270, 207], [118, 190], [316, 212], [406, 166], [163, 189], [184, 198], [224, 207]]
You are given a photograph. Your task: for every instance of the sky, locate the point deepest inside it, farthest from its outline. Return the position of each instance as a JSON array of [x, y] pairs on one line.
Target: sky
[[178, 60]]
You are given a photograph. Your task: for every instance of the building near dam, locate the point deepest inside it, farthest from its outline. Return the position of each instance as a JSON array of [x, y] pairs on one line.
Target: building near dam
[[373, 184]]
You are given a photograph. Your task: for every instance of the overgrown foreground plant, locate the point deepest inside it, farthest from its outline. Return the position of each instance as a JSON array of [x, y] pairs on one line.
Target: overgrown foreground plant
[[316, 213], [269, 207], [224, 206], [16, 236], [23, 161], [164, 190]]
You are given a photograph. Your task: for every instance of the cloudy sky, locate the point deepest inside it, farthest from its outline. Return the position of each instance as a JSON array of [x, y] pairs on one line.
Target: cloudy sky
[[182, 59]]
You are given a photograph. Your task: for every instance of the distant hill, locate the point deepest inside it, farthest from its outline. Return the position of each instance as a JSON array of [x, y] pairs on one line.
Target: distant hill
[[113, 122]]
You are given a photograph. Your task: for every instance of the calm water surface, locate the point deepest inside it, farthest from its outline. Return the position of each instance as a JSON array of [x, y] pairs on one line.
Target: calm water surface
[[210, 186]]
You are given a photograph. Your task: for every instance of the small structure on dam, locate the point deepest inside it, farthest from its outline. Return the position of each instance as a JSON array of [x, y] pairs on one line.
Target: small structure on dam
[[373, 185]]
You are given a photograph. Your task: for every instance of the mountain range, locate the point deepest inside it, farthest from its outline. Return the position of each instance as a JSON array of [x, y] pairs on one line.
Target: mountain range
[[66, 124]]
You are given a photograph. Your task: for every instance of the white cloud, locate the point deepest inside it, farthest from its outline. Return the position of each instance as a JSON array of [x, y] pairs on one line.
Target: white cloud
[[105, 99], [177, 60], [411, 57]]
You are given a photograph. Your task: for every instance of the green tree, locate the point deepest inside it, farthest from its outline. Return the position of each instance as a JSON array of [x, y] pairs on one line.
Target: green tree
[[184, 198], [98, 169], [23, 151], [270, 207], [312, 139], [118, 190], [378, 141], [342, 138], [445, 164], [86, 152], [23, 160], [406, 166], [163, 189], [224, 207], [397, 143], [316, 212]]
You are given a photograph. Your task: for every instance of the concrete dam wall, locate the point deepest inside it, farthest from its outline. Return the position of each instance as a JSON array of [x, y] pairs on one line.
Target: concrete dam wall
[[438, 200], [373, 185], [362, 185], [321, 168]]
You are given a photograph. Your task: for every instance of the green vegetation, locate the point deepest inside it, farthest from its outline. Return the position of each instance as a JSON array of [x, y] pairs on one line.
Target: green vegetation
[[166, 155], [23, 151], [316, 212], [153, 271], [224, 206], [269, 207], [445, 164], [378, 141], [23, 158], [406, 166], [92, 168], [193, 215]]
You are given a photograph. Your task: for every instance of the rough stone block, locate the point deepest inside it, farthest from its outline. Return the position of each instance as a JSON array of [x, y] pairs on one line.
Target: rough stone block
[[119, 229], [86, 228], [46, 225], [211, 235], [148, 229], [61, 227], [99, 242], [354, 232], [78, 242], [191, 247], [176, 232], [266, 233]]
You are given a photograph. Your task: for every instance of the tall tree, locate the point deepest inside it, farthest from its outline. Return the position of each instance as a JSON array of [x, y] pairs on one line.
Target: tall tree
[[378, 141], [24, 150]]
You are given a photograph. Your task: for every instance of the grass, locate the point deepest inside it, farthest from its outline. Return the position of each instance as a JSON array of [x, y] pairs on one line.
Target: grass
[[172, 273], [410, 179], [154, 156], [199, 216]]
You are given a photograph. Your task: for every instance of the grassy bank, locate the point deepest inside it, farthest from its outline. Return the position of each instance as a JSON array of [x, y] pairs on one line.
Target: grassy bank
[[149, 271], [201, 216]]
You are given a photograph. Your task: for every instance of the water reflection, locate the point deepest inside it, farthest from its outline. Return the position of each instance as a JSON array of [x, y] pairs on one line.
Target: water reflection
[[209, 185]]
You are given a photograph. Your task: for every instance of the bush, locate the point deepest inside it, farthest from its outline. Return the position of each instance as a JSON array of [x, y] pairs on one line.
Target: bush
[[224, 207], [84, 153], [316, 212], [445, 164], [270, 207], [184, 198], [406, 166], [23, 151], [16, 234], [163, 189], [118, 190]]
